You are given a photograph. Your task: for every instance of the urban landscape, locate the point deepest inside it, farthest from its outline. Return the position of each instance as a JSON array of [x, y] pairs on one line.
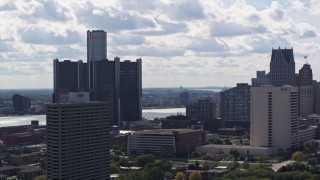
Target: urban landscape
[[132, 117]]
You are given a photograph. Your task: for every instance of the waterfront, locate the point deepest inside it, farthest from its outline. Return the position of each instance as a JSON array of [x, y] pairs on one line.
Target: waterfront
[[149, 114]]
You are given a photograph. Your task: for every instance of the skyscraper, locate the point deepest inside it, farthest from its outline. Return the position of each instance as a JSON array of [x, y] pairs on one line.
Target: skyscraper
[[260, 80], [274, 116], [282, 67], [96, 50], [235, 106], [305, 76], [130, 91], [68, 77], [306, 88], [78, 139], [20, 103]]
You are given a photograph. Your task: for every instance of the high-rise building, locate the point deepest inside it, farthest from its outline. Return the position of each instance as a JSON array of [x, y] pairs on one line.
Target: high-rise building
[[68, 77], [130, 90], [235, 106], [305, 76], [202, 110], [274, 117], [282, 67], [114, 81], [305, 101], [316, 97], [96, 50], [306, 88], [184, 98], [260, 80], [20, 103], [78, 139]]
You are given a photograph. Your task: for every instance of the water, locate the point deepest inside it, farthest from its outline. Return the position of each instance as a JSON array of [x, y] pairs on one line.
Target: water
[[149, 114]]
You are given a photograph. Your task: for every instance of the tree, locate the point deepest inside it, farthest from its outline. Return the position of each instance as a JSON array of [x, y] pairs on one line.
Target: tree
[[234, 153], [227, 142], [195, 176], [180, 176], [207, 157], [124, 162], [297, 156], [280, 153], [218, 141], [195, 155], [168, 176], [114, 169], [196, 164], [245, 165], [142, 160], [312, 161]]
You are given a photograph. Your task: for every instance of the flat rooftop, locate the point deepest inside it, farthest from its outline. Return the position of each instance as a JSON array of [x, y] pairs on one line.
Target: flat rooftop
[[165, 131]]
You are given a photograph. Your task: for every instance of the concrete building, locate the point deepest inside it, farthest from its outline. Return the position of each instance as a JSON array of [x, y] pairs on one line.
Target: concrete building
[[306, 134], [274, 117], [282, 67], [20, 103], [165, 142], [305, 101], [78, 140], [314, 118], [235, 106], [178, 122], [260, 80]]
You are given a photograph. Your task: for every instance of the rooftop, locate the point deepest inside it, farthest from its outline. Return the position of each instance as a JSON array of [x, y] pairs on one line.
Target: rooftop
[[165, 131]]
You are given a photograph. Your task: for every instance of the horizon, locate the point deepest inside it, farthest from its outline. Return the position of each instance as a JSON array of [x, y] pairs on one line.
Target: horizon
[[181, 43]]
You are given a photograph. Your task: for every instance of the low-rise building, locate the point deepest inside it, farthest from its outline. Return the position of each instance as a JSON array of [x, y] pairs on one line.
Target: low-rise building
[[165, 142], [23, 159]]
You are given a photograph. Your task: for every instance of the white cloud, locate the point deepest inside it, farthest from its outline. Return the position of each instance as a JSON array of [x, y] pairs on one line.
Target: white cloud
[[189, 43]]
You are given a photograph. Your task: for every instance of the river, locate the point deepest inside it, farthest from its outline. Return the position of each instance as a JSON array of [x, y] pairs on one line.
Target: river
[[149, 114]]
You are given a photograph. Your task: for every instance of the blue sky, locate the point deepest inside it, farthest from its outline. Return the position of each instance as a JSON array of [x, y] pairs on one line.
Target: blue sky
[[181, 42]]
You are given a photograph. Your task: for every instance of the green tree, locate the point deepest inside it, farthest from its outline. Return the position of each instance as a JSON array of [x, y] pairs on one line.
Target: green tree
[[195, 176], [168, 176], [195, 155], [297, 156], [114, 169], [124, 162], [234, 153], [180, 176], [312, 161], [245, 165], [218, 141], [207, 157], [227, 142], [142, 160], [281, 154]]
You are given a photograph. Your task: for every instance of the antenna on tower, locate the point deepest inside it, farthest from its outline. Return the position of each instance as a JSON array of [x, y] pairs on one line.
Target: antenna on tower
[[306, 58]]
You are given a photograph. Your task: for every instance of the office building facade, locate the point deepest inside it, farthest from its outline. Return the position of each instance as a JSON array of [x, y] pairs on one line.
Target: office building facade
[[235, 106], [274, 117], [68, 76], [260, 80], [282, 67], [78, 140], [20, 103]]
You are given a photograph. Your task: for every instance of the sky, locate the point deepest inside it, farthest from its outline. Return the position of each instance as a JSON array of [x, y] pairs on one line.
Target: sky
[[189, 43]]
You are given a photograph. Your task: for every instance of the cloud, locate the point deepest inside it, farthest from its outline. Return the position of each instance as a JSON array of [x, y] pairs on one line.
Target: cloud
[[207, 45], [41, 36], [309, 34]]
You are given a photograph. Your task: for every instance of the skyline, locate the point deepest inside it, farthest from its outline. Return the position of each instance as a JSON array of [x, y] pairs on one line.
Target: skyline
[[181, 43]]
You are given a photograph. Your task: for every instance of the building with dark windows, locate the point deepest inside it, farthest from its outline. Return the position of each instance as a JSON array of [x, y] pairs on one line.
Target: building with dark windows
[[184, 98], [20, 103], [204, 111], [106, 80], [282, 67], [305, 76], [165, 142], [68, 76], [235, 106], [130, 91], [78, 139], [306, 97], [178, 122], [260, 80]]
